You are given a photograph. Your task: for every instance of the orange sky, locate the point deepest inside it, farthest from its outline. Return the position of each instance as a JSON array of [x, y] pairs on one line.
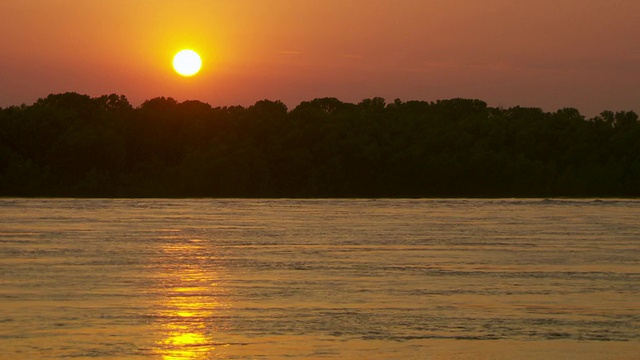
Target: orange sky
[[544, 53]]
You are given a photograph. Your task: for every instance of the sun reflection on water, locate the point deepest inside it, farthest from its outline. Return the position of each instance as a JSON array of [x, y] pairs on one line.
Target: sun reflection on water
[[189, 301]]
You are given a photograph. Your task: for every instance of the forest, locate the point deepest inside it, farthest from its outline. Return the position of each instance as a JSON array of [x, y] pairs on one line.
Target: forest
[[73, 145]]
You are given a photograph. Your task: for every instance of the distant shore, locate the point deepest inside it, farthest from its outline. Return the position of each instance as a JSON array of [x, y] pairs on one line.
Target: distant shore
[[73, 145]]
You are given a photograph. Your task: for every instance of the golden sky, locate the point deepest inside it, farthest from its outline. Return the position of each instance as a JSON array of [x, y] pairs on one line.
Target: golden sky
[[543, 53]]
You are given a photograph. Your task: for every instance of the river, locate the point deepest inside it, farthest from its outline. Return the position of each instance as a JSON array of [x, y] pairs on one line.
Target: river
[[320, 279]]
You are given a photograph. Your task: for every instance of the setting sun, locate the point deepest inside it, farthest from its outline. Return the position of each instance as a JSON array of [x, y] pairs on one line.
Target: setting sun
[[187, 62]]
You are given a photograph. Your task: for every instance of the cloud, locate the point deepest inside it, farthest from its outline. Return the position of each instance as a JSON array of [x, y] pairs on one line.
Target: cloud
[[290, 52]]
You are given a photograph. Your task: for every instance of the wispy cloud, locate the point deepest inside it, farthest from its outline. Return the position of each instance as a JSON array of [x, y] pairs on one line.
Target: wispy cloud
[[290, 52]]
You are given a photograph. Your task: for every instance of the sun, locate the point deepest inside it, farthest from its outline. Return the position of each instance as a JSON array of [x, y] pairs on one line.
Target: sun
[[187, 62]]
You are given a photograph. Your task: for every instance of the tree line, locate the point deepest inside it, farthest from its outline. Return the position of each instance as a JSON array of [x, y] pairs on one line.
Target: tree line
[[73, 145]]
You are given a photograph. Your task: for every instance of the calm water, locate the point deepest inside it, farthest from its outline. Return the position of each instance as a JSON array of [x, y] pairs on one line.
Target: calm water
[[325, 279]]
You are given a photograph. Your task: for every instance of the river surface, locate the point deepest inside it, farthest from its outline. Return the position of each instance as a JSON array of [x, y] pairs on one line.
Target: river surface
[[319, 279]]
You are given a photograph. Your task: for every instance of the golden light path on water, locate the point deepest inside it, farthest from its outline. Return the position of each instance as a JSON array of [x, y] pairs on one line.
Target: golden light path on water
[[187, 305]]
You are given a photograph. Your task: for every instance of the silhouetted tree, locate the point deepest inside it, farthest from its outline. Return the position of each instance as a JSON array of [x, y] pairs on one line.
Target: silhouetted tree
[[74, 145]]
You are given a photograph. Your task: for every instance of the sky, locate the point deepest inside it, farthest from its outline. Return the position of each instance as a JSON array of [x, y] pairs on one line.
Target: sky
[[550, 54]]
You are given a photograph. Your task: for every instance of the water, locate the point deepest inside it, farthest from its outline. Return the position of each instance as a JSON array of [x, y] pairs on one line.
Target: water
[[322, 279]]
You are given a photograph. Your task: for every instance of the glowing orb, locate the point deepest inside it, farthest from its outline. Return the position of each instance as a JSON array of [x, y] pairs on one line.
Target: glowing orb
[[187, 63]]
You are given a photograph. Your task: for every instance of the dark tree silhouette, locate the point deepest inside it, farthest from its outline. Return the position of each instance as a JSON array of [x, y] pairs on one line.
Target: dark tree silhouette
[[74, 145]]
